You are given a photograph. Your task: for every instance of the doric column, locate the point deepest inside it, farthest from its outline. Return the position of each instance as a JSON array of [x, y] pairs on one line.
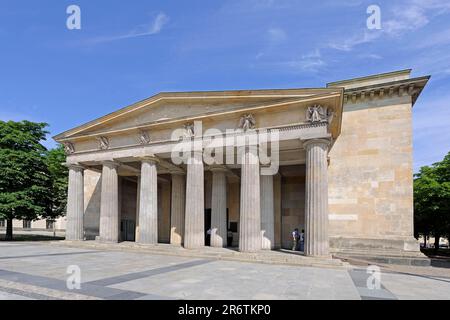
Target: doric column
[[219, 207], [250, 217], [109, 204], [75, 203], [277, 209], [316, 197], [267, 213], [148, 202], [177, 208], [194, 232], [138, 201]]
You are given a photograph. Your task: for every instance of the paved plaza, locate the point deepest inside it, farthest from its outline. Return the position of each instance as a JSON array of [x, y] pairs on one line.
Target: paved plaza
[[31, 270]]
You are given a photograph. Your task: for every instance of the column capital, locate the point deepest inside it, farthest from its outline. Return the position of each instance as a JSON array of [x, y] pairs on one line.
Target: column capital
[[110, 163], [177, 172], [74, 166], [320, 141], [218, 168], [149, 159]]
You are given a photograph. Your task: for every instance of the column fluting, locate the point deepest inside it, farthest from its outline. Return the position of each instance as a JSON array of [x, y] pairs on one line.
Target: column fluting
[[267, 213], [194, 232], [75, 204], [109, 204], [148, 202], [250, 216], [316, 198], [177, 208], [219, 208]]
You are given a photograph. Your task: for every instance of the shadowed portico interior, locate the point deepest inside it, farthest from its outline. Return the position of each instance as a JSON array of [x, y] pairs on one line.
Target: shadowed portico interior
[[289, 198]]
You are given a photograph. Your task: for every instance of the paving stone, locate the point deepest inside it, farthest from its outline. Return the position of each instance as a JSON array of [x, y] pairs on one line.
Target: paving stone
[[38, 271]]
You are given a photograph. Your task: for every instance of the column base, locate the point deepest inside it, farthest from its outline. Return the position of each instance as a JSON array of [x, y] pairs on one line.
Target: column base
[[325, 256], [251, 250], [391, 244], [394, 250], [69, 240], [98, 239]]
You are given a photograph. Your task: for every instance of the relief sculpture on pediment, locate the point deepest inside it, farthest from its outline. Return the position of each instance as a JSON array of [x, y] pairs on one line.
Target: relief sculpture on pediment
[[318, 113]]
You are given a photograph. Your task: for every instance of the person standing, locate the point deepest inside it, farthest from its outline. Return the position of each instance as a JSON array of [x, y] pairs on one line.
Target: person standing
[[295, 238], [229, 238], [302, 240]]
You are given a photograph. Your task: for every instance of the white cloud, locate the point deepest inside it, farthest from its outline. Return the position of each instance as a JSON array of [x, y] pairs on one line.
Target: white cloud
[[370, 56], [441, 5], [259, 55], [160, 20], [310, 62], [153, 28], [276, 35], [348, 44], [407, 18], [396, 21]]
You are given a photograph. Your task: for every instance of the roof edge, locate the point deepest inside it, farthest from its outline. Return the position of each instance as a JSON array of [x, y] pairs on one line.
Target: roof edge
[[385, 75]]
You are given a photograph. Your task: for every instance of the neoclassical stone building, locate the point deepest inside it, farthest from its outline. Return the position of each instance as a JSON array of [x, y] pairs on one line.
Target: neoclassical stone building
[[337, 163]]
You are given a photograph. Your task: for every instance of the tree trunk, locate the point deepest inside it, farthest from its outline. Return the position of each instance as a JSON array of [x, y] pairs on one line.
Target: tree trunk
[[9, 230], [436, 242], [424, 241]]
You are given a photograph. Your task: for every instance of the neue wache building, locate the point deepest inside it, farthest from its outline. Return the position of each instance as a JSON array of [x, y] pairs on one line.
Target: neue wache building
[[245, 168]]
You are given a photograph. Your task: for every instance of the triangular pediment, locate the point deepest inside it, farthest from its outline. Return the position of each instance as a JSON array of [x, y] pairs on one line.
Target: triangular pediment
[[174, 107]]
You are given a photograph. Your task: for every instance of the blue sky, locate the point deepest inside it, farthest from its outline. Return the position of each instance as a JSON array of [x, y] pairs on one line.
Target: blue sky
[[129, 50]]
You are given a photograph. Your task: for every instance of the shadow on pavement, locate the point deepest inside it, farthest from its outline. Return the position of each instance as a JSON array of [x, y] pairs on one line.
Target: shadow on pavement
[[31, 237]]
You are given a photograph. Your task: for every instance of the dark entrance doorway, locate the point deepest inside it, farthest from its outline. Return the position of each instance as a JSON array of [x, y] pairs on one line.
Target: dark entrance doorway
[[207, 227], [128, 230]]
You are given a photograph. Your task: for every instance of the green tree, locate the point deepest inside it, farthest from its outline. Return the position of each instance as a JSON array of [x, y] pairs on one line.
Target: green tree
[[24, 176], [59, 180], [432, 200]]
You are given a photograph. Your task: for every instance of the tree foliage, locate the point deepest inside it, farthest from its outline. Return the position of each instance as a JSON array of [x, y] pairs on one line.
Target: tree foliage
[[26, 173], [432, 200], [59, 180]]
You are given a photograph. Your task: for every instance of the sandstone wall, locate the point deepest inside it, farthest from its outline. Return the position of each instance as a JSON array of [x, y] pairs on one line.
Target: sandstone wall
[[370, 172]]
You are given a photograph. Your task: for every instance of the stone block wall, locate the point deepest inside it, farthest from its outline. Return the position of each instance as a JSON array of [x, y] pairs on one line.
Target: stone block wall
[[370, 171]]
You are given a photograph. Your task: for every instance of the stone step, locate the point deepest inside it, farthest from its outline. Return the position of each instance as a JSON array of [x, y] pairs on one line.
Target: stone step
[[384, 257], [382, 252], [267, 257]]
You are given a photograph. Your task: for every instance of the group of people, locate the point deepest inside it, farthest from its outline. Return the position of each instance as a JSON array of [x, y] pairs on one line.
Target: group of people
[[298, 239]]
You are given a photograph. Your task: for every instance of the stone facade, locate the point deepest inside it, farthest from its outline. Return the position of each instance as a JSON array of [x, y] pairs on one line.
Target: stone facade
[[58, 225], [371, 171], [342, 157]]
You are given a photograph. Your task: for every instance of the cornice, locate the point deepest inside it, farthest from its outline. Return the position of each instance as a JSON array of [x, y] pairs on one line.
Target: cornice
[[411, 87]]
